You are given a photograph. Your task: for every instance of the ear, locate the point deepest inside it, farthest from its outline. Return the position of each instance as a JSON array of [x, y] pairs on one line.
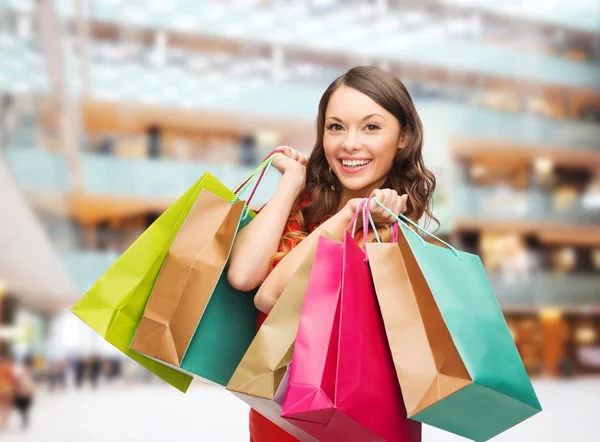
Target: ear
[[404, 139]]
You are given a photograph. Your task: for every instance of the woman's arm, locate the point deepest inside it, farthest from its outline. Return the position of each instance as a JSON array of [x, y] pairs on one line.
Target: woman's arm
[[259, 240], [274, 284]]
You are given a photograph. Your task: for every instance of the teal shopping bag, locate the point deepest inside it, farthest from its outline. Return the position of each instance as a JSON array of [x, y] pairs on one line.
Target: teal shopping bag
[[224, 332], [455, 358]]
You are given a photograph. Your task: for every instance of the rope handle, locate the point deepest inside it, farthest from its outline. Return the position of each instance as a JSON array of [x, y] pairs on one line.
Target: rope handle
[[259, 172], [366, 210], [367, 219], [404, 222], [276, 151], [354, 219]]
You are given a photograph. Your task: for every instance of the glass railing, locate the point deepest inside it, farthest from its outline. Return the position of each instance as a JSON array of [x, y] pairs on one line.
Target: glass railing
[[38, 169], [22, 66], [437, 50], [86, 266], [537, 289], [259, 96], [452, 120], [504, 204], [291, 26], [576, 15], [181, 88], [546, 289], [144, 178]]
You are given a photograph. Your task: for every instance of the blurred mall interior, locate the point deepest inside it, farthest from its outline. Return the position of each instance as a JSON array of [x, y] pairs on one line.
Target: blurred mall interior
[[110, 109]]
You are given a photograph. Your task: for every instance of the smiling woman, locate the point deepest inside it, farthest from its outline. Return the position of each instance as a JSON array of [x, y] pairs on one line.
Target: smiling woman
[[369, 143], [361, 148]]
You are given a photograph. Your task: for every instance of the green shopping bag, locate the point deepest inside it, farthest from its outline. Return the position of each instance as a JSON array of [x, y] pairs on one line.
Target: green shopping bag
[[114, 305], [455, 358]]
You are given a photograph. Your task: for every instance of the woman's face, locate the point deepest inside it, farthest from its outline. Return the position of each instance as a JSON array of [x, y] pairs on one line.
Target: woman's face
[[360, 140]]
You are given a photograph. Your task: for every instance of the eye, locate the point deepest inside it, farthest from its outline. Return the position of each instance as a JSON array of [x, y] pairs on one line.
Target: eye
[[334, 127], [372, 127]]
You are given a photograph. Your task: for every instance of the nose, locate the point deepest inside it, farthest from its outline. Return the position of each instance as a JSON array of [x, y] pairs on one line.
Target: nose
[[352, 142]]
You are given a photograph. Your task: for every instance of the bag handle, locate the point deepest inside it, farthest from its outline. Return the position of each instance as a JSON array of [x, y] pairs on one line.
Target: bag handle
[[367, 219], [354, 220], [394, 233], [276, 151], [259, 172], [403, 221]]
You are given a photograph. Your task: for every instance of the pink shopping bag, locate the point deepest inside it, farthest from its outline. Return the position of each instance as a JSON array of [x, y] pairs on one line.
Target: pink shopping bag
[[342, 383]]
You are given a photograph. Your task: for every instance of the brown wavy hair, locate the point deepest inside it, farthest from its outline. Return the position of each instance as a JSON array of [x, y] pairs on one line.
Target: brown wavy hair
[[408, 174]]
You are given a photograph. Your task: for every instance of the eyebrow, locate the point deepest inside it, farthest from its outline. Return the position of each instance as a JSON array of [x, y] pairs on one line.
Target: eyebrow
[[366, 118]]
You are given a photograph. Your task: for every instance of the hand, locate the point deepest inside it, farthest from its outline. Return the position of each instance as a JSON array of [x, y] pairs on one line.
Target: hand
[[389, 198], [291, 161]]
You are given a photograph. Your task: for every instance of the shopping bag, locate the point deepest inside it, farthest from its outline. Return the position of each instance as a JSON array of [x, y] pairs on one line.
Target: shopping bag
[[342, 384], [112, 307], [258, 378], [194, 320], [454, 355]]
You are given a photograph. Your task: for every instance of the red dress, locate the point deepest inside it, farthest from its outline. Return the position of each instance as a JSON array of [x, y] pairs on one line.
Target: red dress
[[261, 428]]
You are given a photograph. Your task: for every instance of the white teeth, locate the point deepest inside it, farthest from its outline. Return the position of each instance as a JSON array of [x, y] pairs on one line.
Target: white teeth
[[355, 163]]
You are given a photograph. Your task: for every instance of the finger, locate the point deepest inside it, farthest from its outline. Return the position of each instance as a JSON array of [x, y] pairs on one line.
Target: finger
[[302, 159], [390, 203], [387, 202], [397, 206], [373, 206], [354, 203], [378, 194], [388, 198], [404, 199], [400, 207]]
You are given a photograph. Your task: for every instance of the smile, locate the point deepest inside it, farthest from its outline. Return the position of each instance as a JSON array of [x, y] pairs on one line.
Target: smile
[[354, 164]]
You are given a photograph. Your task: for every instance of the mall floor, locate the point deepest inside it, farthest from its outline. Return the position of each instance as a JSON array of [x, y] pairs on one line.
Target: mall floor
[[148, 413]]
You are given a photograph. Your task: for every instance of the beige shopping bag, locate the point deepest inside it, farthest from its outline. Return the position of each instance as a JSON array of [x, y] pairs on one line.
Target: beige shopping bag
[[259, 374], [187, 279]]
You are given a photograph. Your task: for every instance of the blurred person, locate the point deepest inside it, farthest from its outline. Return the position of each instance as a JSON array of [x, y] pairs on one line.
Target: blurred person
[[79, 367], [113, 371], [369, 143], [107, 145], [154, 135], [249, 151], [95, 370], [24, 390], [57, 374], [7, 388]]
